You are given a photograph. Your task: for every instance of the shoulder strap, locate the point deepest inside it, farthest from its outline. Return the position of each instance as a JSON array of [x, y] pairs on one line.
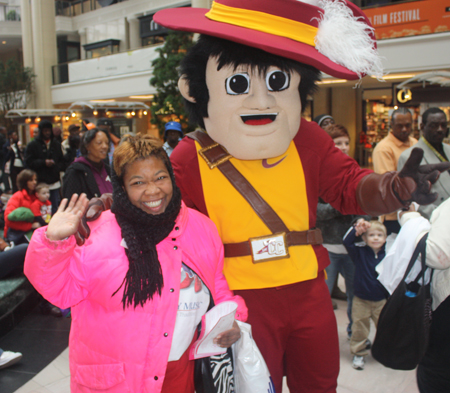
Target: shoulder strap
[[215, 155], [420, 249]]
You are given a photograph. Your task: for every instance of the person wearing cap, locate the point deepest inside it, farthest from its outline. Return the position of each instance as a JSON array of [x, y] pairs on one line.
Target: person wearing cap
[[259, 169], [172, 135], [324, 121]]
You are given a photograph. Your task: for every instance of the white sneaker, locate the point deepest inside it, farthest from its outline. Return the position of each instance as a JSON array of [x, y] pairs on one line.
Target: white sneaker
[[9, 358], [358, 362]]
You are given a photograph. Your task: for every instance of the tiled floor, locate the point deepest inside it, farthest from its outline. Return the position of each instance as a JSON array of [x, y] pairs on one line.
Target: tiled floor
[[41, 339], [55, 377]]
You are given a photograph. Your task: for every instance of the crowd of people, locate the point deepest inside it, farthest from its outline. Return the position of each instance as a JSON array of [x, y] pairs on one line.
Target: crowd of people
[[231, 216], [143, 178]]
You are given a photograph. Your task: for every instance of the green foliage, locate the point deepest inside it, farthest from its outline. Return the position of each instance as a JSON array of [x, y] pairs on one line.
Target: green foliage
[[168, 104], [12, 15], [16, 87]]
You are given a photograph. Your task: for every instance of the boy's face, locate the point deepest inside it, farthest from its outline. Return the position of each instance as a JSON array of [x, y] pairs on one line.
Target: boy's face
[[43, 194], [374, 238], [253, 116]]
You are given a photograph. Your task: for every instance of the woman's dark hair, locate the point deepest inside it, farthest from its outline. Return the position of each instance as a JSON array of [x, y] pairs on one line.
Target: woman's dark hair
[[23, 178], [88, 136], [193, 68]]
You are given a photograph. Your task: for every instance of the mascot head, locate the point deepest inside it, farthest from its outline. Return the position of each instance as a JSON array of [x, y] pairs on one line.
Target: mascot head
[[248, 77]]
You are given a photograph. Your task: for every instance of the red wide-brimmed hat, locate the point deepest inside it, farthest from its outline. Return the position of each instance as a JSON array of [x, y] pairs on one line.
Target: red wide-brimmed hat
[[336, 37]]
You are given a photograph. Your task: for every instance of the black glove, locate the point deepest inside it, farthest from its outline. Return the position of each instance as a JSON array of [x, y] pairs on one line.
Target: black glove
[[423, 175]]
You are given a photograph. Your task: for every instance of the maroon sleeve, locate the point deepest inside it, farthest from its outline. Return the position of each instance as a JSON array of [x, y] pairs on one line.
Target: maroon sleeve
[[329, 173], [187, 174]]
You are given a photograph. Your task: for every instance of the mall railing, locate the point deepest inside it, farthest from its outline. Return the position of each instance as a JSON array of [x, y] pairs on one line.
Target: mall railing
[[78, 7], [101, 66]]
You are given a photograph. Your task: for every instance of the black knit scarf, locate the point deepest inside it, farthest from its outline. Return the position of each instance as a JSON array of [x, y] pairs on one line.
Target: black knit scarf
[[142, 232]]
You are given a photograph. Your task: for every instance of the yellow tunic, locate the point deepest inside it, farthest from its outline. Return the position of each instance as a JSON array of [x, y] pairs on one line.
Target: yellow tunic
[[283, 187]]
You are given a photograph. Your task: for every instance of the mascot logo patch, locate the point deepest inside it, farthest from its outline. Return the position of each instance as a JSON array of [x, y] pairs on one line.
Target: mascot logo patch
[[269, 248]]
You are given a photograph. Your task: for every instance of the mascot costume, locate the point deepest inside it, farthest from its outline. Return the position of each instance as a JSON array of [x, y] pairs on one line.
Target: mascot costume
[[257, 169]]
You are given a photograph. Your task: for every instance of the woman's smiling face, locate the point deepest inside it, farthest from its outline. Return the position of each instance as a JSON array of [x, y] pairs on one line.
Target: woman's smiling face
[[148, 185]]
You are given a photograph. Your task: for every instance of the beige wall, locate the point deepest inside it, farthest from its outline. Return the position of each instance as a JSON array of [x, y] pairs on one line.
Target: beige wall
[[322, 101]]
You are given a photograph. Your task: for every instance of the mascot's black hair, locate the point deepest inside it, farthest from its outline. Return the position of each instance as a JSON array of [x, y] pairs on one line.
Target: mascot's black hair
[[193, 68]]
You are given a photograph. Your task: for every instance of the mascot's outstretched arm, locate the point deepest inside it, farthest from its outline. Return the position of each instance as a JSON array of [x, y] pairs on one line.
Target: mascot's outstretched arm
[[382, 194]]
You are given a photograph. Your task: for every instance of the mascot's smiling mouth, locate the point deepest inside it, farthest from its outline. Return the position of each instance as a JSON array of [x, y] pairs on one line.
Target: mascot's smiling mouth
[[259, 120]]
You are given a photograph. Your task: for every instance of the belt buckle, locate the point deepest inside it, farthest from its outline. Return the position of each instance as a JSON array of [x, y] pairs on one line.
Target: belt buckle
[[212, 165], [269, 248]]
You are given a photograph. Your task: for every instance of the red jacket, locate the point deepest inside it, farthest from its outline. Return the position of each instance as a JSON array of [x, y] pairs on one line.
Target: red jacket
[[19, 199]]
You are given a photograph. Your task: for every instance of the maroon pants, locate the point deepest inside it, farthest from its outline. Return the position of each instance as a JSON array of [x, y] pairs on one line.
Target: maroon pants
[[295, 329], [179, 375]]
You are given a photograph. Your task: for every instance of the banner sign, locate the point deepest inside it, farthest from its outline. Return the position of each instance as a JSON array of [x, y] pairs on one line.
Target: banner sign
[[412, 18]]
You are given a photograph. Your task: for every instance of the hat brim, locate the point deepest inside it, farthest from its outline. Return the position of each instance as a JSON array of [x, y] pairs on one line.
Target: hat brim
[[194, 20]]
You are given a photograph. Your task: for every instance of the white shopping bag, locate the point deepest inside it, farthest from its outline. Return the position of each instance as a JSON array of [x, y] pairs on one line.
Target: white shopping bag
[[251, 374]]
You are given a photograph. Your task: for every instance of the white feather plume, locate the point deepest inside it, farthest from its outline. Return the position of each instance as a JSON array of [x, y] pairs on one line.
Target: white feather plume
[[345, 39]]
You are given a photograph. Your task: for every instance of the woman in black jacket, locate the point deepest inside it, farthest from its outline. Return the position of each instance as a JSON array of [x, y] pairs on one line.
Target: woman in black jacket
[[89, 173]]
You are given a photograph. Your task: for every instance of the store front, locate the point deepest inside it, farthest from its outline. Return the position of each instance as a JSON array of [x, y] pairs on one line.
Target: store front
[[415, 94]]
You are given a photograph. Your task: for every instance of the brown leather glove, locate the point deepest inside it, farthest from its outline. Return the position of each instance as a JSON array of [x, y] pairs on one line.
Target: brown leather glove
[[94, 210], [423, 175], [382, 194]]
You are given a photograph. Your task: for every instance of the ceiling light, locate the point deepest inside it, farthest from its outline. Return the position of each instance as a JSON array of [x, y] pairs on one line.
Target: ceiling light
[[143, 97]]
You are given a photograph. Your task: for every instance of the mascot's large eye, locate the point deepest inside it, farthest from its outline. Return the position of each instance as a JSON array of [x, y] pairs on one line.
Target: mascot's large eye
[[238, 84], [277, 80]]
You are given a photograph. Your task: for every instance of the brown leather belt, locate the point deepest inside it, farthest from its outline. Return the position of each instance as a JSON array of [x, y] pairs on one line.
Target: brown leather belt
[[312, 237]]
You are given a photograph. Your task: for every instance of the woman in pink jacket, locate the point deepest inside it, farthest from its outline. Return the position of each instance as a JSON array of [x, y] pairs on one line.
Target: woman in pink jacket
[[139, 285]]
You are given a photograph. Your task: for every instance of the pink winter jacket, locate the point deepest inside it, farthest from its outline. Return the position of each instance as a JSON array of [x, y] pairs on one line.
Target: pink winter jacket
[[111, 349]]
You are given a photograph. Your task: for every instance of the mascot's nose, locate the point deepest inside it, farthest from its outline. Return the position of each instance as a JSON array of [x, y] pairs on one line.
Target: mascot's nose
[[259, 97]]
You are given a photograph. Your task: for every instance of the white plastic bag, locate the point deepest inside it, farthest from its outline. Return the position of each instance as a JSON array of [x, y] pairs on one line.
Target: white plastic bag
[[251, 374]]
